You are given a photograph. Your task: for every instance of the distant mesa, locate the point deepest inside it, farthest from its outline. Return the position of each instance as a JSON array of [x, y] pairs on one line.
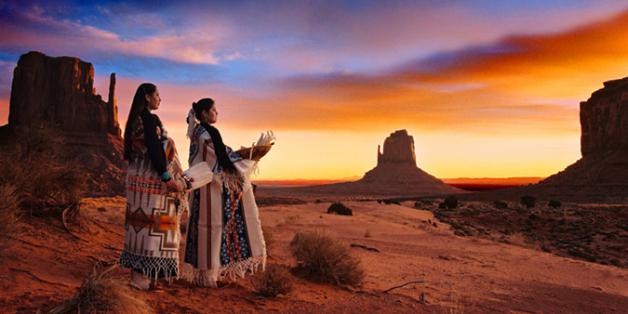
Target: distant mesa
[[397, 163], [395, 174], [57, 95]]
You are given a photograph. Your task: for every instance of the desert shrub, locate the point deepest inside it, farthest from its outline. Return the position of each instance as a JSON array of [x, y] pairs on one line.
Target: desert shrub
[[528, 201], [422, 203], [56, 189], [340, 209], [275, 280], [101, 292], [442, 205], [9, 214], [388, 202], [554, 204], [41, 185], [326, 259], [500, 204], [451, 202]]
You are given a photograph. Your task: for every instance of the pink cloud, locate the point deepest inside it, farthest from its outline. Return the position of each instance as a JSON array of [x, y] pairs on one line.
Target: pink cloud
[[194, 46]]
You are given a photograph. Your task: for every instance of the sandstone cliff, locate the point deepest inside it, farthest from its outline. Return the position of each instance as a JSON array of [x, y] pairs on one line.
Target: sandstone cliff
[[603, 169], [601, 175], [56, 95]]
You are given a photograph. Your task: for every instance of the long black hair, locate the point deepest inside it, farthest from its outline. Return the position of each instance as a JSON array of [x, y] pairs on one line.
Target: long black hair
[[221, 151], [139, 104]]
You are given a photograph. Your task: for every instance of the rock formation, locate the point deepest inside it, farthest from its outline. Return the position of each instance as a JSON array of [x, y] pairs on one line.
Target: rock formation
[[395, 174], [602, 171], [601, 175], [398, 161], [398, 149], [396, 168], [604, 119], [57, 95]]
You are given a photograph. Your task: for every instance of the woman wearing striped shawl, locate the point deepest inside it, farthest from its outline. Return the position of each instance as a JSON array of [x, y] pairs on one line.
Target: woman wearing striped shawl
[[224, 238], [155, 194]]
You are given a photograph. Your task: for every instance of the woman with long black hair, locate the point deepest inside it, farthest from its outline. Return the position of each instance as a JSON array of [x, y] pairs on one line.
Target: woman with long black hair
[[155, 191], [224, 237]]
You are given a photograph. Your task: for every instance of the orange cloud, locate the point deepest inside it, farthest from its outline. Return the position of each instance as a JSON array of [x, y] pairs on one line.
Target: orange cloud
[[521, 84]]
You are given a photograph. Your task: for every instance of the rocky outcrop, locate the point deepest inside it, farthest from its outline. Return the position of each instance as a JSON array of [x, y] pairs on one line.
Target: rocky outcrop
[[398, 149], [603, 169], [601, 175], [604, 119], [57, 95]]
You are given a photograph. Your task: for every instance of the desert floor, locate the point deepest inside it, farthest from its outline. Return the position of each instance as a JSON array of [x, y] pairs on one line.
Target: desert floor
[[46, 264]]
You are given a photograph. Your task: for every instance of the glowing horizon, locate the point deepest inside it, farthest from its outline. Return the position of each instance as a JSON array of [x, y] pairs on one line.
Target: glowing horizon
[[495, 95]]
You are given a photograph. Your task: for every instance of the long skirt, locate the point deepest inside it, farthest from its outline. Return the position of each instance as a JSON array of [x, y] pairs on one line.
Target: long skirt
[[224, 238], [152, 234]]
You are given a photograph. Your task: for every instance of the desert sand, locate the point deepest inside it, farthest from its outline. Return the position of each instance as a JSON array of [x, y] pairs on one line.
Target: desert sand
[[451, 274]]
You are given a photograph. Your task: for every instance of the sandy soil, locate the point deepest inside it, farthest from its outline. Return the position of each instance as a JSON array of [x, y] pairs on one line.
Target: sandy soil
[[454, 274]]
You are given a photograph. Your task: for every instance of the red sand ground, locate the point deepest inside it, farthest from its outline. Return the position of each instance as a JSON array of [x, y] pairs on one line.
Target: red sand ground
[[456, 274]]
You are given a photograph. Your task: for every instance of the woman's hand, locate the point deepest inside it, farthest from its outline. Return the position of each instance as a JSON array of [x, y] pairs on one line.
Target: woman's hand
[[174, 185], [257, 152]]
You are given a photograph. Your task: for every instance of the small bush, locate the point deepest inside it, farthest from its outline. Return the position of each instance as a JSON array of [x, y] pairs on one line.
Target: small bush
[[275, 280], [422, 203], [340, 209], [442, 205], [102, 293], [326, 259], [500, 204], [389, 202], [528, 201], [451, 202], [554, 204]]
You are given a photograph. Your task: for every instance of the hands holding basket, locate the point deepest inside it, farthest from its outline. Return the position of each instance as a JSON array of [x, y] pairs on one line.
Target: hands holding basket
[[259, 149]]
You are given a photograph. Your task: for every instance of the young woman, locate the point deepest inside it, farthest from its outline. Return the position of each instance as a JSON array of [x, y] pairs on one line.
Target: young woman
[[224, 236], [155, 193]]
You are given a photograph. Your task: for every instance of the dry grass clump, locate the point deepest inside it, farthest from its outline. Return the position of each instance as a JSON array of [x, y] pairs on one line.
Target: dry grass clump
[[326, 259], [275, 280], [103, 293], [269, 238], [9, 214], [42, 186]]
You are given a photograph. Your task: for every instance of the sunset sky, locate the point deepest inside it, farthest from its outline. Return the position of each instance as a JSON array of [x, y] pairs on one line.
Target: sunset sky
[[487, 88]]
